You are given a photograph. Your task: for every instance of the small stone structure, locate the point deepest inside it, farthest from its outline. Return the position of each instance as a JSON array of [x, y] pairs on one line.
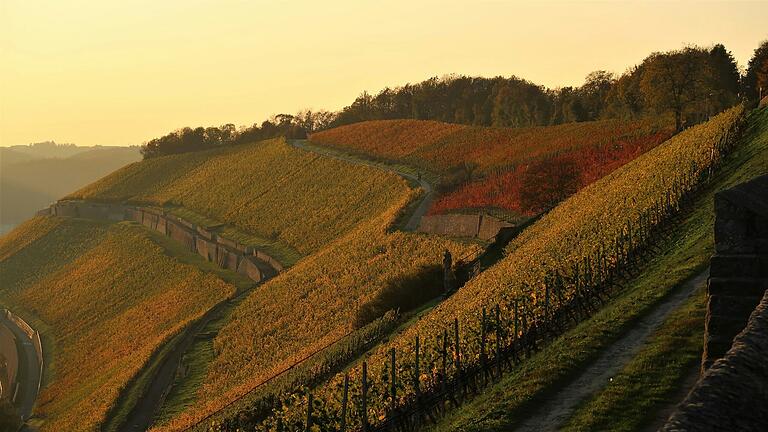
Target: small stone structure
[[481, 226], [205, 241], [732, 394], [739, 269]]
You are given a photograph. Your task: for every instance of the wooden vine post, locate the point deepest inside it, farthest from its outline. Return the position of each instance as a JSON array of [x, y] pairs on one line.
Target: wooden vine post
[[309, 412], [344, 398], [364, 402], [457, 355], [393, 385], [498, 341]]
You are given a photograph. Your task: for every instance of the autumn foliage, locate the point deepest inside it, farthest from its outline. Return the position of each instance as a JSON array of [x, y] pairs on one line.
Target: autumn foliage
[[523, 170]]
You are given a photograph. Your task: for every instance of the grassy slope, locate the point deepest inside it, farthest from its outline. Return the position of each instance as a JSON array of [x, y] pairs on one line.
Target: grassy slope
[[685, 253], [105, 297], [308, 306], [651, 379], [269, 191]]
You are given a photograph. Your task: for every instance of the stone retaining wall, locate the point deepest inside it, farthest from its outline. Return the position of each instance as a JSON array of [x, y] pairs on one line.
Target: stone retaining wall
[[205, 241], [739, 268], [732, 393], [479, 226]]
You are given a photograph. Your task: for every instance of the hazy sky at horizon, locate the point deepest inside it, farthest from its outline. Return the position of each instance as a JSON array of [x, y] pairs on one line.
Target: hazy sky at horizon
[[122, 72]]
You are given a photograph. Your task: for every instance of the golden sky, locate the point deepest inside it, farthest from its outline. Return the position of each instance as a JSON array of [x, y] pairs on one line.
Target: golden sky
[[118, 72]]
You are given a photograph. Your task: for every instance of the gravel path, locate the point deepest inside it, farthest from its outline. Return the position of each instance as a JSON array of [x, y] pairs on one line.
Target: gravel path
[[551, 415], [426, 199]]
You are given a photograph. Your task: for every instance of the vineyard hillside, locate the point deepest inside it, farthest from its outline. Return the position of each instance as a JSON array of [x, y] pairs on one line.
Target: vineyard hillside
[[104, 297], [311, 305], [586, 230], [522, 170], [267, 190]]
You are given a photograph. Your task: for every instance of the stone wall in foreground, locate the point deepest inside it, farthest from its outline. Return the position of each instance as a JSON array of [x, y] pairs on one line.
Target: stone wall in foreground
[[203, 240], [739, 268], [732, 393]]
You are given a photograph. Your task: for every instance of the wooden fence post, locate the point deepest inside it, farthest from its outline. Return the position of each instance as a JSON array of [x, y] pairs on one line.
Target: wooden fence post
[[483, 365], [309, 411], [498, 341], [393, 385], [457, 354], [344, 397], [364, 413], [416, 374]]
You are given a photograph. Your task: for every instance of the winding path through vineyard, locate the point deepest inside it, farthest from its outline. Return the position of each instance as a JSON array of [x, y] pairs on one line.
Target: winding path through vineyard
[[557, 410], [425, 201], [143, 413]]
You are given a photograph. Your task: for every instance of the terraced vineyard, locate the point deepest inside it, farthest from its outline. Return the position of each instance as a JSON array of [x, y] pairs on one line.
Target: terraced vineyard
[[502, 168], [309, 306], [289, 198], [596, 227], [107, 297]]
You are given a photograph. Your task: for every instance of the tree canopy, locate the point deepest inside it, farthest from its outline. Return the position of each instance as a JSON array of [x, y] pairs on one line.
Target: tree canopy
[[688, 84]]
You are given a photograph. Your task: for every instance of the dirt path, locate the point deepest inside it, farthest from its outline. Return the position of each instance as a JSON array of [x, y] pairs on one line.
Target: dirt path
[[29, 370], [557, 410], [426, 200]]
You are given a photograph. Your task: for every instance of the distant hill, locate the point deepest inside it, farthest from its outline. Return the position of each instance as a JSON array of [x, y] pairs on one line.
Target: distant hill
[[32, 176]]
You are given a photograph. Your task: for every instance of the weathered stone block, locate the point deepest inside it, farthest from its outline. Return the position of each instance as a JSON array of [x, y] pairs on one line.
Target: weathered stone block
[[490, 226], [249, 269], [149, 220], [161, 225], [204, 233], [752, 287], [275, 264], [226, 242], [739, 266]]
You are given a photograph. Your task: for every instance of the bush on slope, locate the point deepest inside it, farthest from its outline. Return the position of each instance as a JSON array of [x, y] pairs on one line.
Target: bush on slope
[[106, 308]]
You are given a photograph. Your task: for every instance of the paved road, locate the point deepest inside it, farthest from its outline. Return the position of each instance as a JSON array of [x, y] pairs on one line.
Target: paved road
[[426, 199], [29, 370], [551, 415]]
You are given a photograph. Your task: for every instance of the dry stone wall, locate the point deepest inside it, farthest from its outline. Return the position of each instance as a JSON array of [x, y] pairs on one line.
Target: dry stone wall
[[732, 394], [739, 268], [205, 241], [479, 226]]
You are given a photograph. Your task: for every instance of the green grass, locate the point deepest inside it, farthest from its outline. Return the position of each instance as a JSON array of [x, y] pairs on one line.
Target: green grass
[[651, 379], [684, 254]]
